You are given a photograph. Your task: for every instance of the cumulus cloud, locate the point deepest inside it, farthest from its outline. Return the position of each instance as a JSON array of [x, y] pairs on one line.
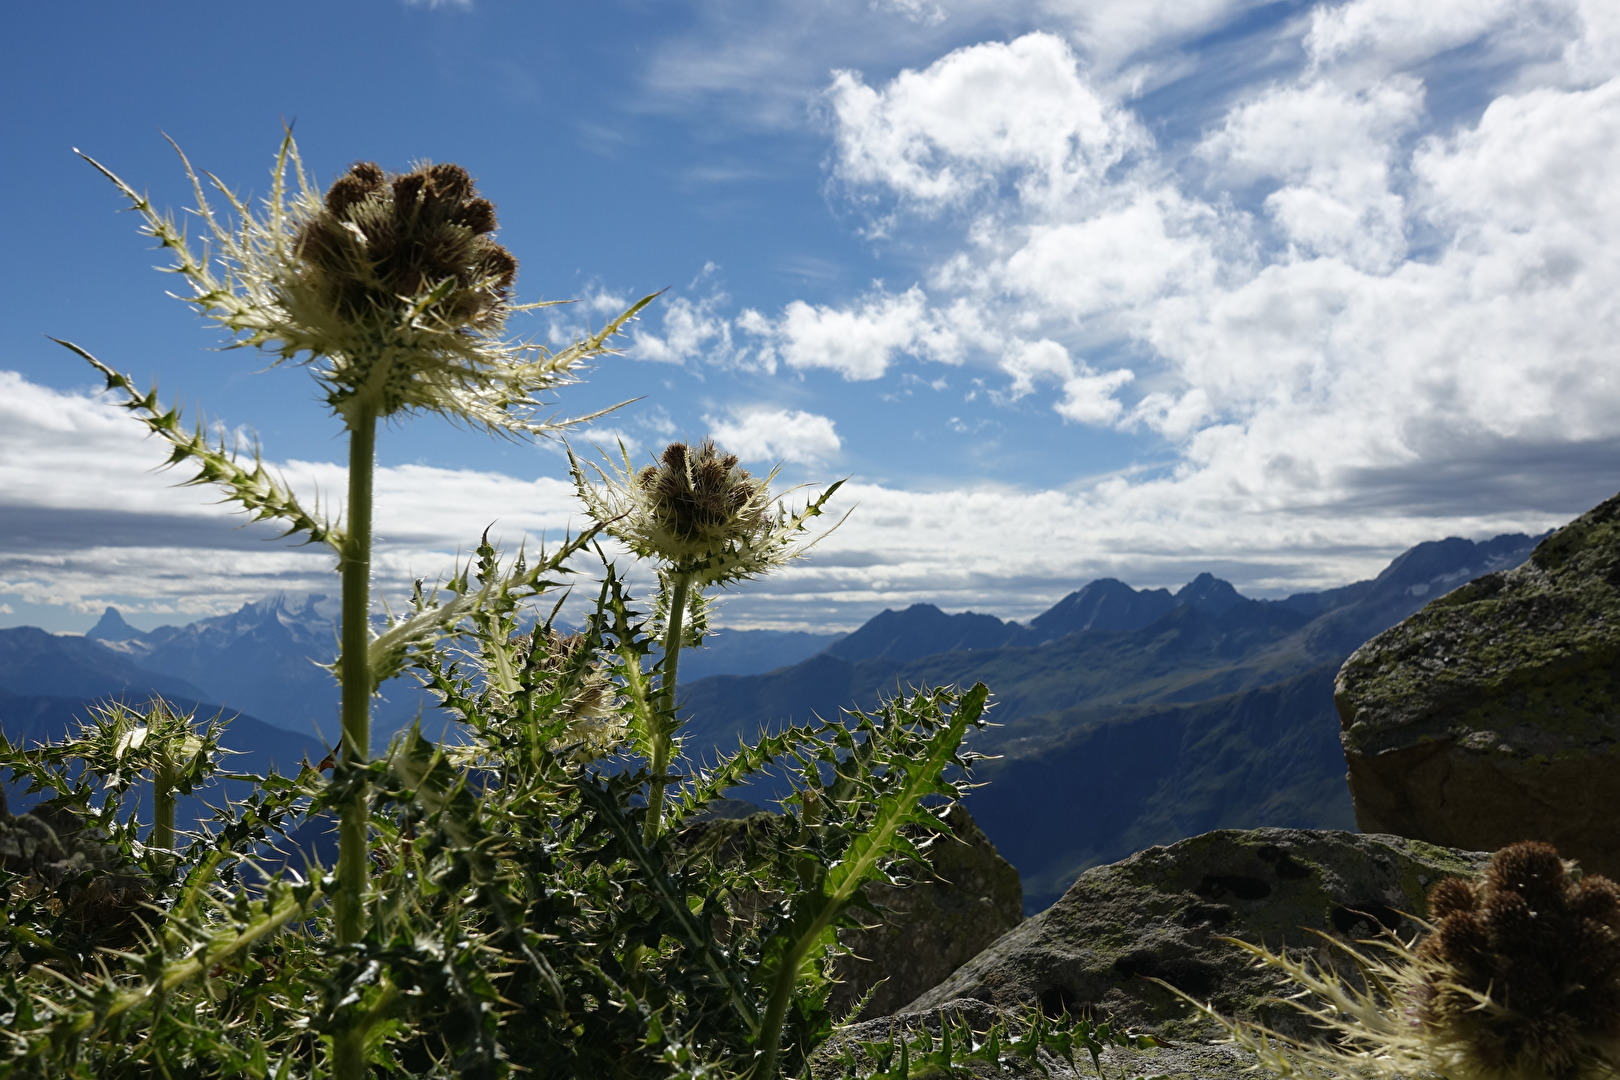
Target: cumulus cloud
[[693, 329], [765, 435], [858, 342], [1327, 154], [943, 134]]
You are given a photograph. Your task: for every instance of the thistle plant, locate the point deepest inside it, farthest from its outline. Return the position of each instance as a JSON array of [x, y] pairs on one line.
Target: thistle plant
[[704, 522], [522, 899], [392, 290], [1518, 978]]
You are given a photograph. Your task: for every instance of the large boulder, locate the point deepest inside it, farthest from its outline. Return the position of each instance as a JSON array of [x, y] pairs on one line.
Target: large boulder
[[928, 929], [916, 935], [1493, 715], [1163, 912]]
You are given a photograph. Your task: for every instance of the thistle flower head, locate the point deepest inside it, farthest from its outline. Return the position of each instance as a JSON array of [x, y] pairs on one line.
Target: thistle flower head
[[696, 513], [1518, 979], [391, 287], [1521, 976]]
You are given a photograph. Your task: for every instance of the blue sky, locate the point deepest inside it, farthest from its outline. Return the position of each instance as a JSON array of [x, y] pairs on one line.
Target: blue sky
[[1132, 288]]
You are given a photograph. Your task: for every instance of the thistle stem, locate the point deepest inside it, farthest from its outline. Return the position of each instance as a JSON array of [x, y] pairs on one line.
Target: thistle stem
[[358, 681], [163, 806], [161, 722], [663, 735]]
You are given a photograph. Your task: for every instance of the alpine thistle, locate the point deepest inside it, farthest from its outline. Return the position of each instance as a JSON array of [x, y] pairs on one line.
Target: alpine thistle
[[1518, 979], [697, 514], [589, 707], [390, 287], [1521, 976], [705, 522]]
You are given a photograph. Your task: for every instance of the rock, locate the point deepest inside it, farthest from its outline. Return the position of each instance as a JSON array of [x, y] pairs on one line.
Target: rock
[[927, 929], [934, 926], [1162, 913], [1493, 714]]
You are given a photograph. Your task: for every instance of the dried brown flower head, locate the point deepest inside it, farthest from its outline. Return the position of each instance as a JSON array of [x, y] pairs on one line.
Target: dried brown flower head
[[1521, 977], [390, 287], [696, 513], [383, 241], [1518, 980], [700, 496]]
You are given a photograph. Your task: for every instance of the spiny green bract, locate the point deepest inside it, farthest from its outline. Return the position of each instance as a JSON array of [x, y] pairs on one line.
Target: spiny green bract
[[518, 919]]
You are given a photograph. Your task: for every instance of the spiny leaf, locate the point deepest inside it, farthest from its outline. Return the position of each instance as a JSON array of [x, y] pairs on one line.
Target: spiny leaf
[[254, 489]]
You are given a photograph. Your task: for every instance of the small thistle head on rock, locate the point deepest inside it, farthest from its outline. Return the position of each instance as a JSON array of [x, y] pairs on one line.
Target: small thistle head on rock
[[1520, 979]]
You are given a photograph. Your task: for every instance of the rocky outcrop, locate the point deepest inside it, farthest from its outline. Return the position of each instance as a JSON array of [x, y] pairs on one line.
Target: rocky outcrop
[[1163, 912], [932, 927], [917, 934], [1493, 715]]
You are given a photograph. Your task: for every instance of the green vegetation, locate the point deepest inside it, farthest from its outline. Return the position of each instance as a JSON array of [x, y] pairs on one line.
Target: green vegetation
[[517, 901]]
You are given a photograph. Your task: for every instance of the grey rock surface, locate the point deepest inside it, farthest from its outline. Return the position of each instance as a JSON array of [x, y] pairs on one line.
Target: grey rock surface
[[967, 898], [934, 926], [1493, 715], [1162, 913]]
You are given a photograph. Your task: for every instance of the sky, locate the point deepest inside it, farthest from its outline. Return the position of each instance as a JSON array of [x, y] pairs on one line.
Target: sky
[[1062, 289]]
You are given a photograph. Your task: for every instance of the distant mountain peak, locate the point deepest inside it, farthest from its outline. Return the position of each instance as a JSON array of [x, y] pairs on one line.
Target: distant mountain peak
[[1206, 592], [112, 627]]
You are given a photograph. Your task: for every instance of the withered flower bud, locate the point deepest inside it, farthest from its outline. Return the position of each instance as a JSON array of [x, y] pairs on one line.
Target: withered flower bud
[[700, 495], [381, 243], [1521, 978]]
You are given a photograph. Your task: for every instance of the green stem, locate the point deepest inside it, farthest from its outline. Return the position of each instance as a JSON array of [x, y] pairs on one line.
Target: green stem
[[664, 722], [768, 1047], [163, 807], [359, 683]]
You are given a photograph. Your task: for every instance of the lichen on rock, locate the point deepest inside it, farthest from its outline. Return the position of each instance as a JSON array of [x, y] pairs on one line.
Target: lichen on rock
[[1493, 715]]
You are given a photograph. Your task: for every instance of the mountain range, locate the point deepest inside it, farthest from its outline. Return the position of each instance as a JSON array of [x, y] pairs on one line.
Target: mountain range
[[1125, 717]]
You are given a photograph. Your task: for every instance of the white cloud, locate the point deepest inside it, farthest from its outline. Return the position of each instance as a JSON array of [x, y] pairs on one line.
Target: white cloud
[[84, 516], [692, 331], [1032, 360], [1155, 244], [1342, 310], [1328, 153], [1088, 397], [1111, 32], [765, 435], [465, 5], [860, 342], [940, 135], [1395, 32], [151, 548]]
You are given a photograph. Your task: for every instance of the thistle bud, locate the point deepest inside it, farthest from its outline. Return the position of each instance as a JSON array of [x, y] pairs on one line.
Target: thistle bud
[[381, 242], [1521, 978], [696, 513], [390, 287], [590, 708], [700, 498]]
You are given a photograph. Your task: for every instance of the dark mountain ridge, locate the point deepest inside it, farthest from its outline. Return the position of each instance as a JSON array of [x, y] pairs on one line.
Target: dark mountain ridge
[[1126, 718]]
